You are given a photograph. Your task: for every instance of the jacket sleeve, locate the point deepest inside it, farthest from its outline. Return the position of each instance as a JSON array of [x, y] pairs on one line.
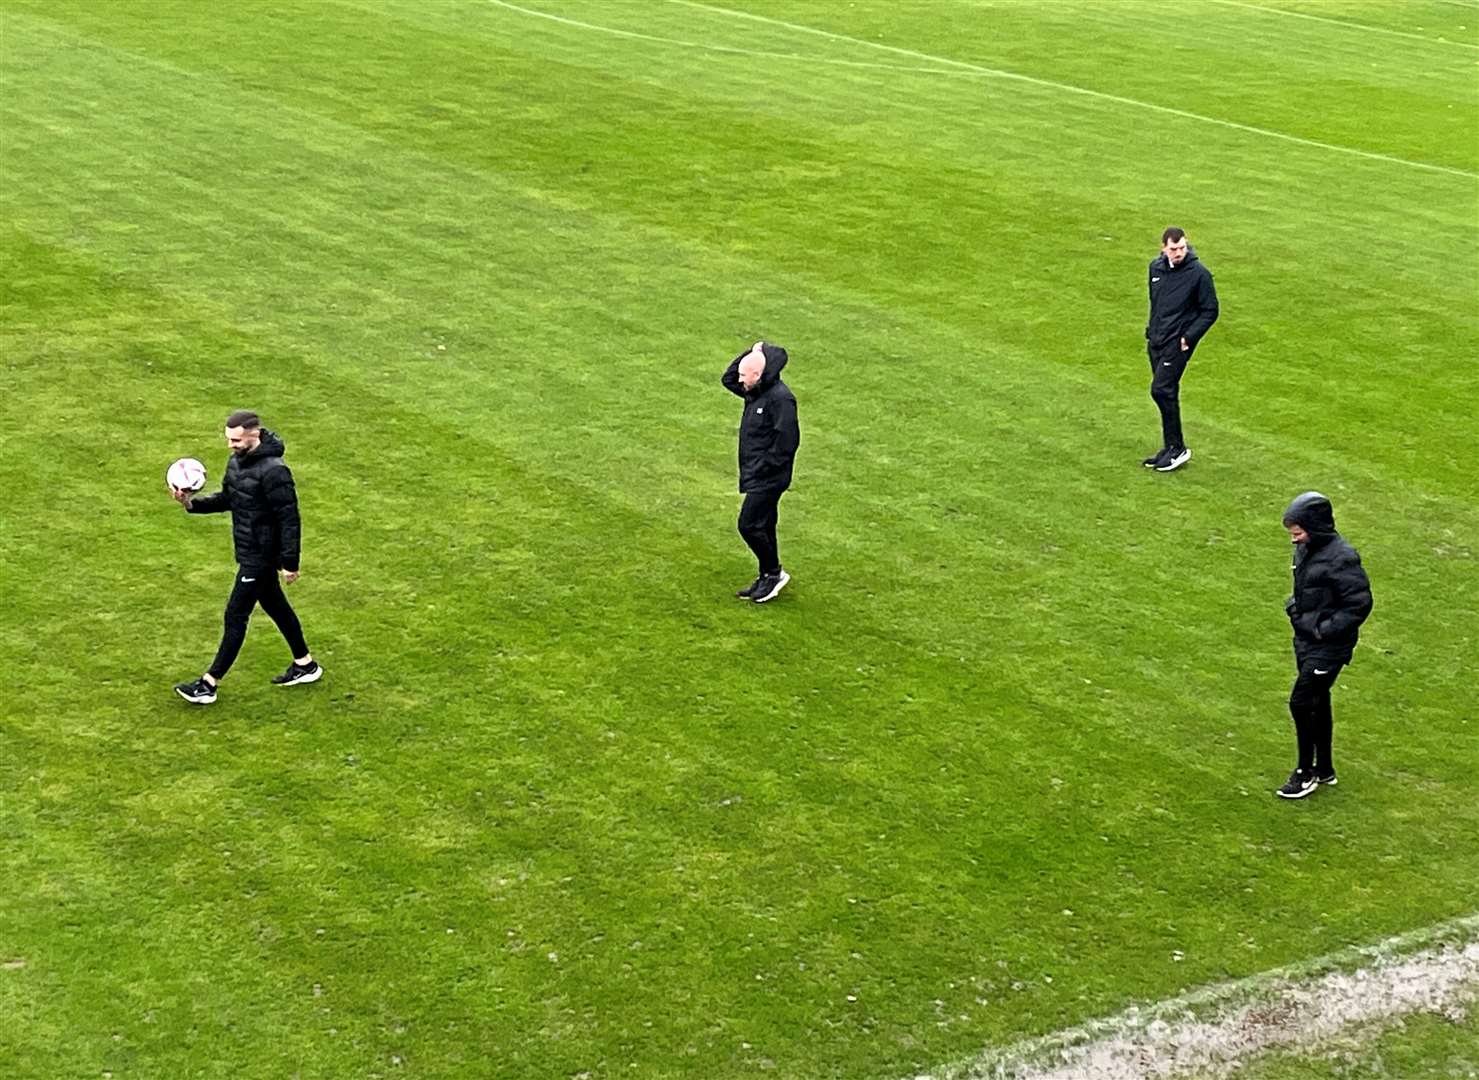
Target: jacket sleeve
[[787, 436], [730, 378], [1351, 602], [1207, 310], [1150, 298], [214, 503], [282, 496]]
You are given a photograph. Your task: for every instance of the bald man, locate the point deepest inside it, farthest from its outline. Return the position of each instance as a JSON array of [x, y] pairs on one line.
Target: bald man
[[769, 435]]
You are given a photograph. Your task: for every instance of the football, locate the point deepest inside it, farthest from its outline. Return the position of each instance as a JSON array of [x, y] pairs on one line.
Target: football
[[187, 474]]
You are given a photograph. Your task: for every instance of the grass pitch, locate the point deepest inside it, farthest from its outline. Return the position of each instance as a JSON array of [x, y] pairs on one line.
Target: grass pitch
[[1001, 757]]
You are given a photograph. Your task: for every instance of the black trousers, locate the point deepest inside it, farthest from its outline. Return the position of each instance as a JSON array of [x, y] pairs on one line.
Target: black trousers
[[255, 587], [1309, 704], [1167, 365], [757, 519]]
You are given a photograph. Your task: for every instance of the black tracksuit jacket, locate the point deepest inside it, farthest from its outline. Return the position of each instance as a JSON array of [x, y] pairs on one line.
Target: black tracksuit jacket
[[258, 490], [1183, 301], [769, 433], [1332, 594]]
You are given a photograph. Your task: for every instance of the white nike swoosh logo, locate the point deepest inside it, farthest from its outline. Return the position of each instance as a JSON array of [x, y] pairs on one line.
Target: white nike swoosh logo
[[1319, 672], [1166, 364], [248, 579]]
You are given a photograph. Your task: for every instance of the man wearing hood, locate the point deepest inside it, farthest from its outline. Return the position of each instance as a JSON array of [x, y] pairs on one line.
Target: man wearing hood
[[258, 490], [1332, 597], [768, 437], [1183, 307]]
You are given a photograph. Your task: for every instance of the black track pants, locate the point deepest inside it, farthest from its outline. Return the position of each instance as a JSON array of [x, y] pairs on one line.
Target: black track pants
[[1167, 365], [1309, 704], [757, 520], [255, 587]]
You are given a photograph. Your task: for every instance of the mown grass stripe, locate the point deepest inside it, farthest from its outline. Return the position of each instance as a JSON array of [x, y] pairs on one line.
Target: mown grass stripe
[[1349, 24], [997, 73]]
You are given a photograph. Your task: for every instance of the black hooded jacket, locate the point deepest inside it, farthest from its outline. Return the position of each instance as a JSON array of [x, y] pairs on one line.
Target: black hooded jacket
[[258, 490], [769, 432], [1183, 301], [1332, 595]]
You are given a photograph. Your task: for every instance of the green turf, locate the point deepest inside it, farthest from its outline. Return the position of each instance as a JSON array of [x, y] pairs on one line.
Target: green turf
[[998, 761]]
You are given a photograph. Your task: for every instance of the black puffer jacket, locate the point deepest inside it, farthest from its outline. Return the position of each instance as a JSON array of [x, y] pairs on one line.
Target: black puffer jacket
[[1183, 301], [1332, 595], [769, 433], [258, 490]]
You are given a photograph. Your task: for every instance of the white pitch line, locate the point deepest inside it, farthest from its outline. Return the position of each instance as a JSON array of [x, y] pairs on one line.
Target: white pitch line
[[1348, 25], [999, 73], [1215, 1031], [707, 46]]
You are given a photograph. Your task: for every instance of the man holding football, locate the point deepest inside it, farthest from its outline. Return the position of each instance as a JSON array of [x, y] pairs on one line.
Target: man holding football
[[258, 490]]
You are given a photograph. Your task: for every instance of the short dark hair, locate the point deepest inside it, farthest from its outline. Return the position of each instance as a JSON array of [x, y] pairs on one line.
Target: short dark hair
[[1172, 233], [244, 418]]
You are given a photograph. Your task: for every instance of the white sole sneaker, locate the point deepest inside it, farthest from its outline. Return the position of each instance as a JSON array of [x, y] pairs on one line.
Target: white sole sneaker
[[312, 676], [780, 583], [1176, 462], [193, 700], [1302, 793]]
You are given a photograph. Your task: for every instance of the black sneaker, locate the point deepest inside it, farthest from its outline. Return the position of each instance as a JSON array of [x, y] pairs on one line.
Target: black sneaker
[[295, 674], [1299, 785], [769, 586], [1154, 459], [1173, 459], [198, 692], [748, 591], [1328, 779]]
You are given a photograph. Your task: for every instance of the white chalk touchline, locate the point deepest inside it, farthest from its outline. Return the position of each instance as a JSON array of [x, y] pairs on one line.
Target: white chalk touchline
[[1348, 25], [708, 46], [1213, 1032], [999, 73]]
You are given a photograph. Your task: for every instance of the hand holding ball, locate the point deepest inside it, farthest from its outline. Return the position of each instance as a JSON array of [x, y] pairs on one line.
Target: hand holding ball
[[186, 475]]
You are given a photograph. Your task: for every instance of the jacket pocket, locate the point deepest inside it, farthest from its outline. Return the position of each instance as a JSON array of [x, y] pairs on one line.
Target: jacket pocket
[[1305, 623]]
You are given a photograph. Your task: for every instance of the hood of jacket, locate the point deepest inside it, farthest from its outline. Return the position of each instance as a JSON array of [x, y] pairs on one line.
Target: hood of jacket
[[270, 446], [1313, 513], [775, 360]]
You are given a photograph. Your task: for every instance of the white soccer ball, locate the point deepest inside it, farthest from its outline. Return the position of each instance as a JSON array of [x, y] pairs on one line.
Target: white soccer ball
[[187, 474]]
